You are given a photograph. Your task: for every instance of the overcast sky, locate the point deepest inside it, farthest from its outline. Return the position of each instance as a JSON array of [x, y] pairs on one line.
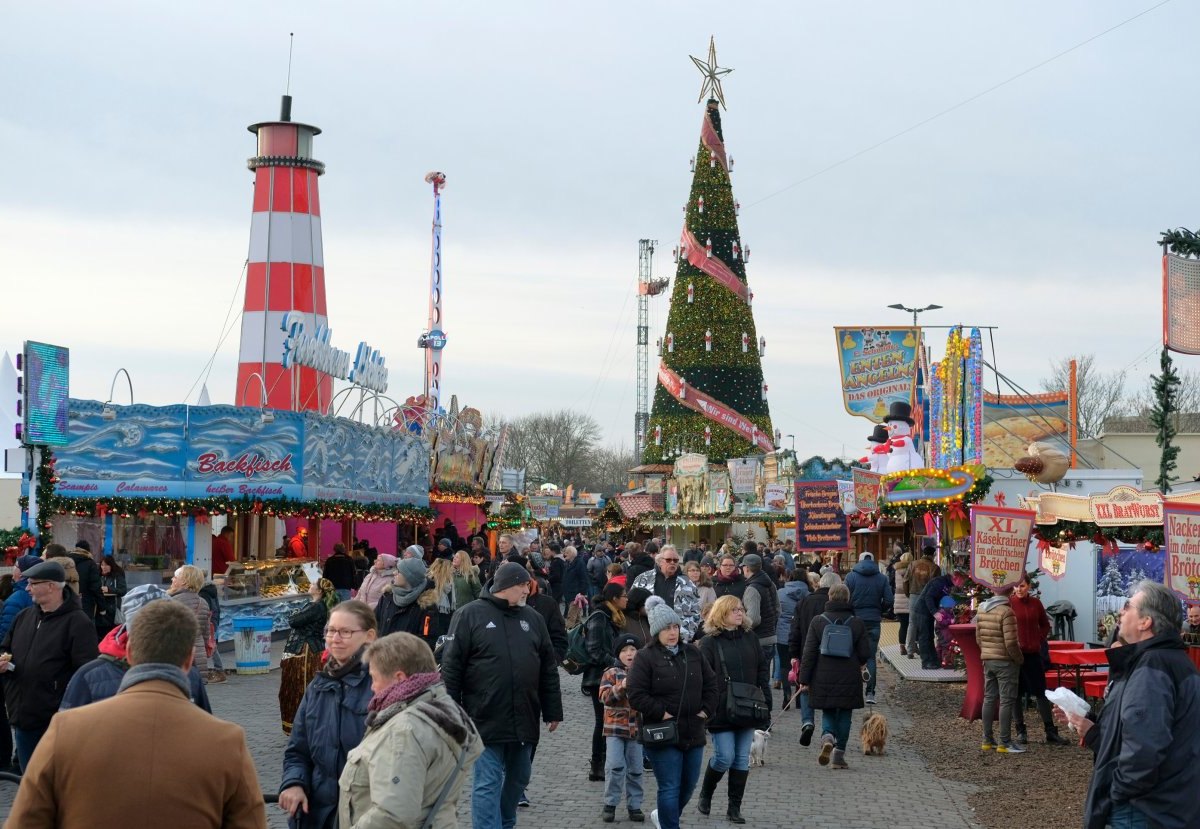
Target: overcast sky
[[565, 136]]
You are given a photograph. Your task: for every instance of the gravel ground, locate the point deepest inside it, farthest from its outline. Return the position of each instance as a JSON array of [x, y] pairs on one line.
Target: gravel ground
[[1044, 787]]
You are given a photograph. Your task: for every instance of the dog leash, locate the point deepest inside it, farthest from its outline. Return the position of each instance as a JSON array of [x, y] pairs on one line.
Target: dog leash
[[785, 705]]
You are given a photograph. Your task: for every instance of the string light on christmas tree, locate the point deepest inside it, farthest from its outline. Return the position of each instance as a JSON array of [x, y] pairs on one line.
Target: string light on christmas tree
[[658, 435], [675, 254], [736, 250], [658, 345], [708, 436], [700, 204], [670, 343], [731, 164], [712, 161], [745, 343], [708, 339], [746, 254], [762, 349], [708, 249], [692, 164], [737, 208], [691, 293], [764, 395]]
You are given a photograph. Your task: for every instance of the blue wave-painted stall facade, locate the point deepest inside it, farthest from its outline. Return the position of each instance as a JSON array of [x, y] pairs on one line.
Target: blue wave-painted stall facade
[[228, 451]]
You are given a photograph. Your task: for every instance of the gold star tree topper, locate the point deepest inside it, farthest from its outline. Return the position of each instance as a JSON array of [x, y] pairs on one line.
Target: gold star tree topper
[[712, 74]]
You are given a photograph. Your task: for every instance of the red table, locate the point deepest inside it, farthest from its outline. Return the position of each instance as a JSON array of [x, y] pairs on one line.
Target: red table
[[1094, 688], [1079, 659], [1063, 644], [964, 637]]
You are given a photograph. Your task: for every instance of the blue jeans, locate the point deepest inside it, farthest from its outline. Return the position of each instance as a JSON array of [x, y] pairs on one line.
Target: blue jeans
[[26, 741], [806, 709], [676, 771], [872, 639], [501, 774], [836, 721], [731, 749], [623, 770], [1124, 816]]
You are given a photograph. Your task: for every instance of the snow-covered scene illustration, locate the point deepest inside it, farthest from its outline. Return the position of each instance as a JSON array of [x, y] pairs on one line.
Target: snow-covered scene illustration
[[1117, 576]]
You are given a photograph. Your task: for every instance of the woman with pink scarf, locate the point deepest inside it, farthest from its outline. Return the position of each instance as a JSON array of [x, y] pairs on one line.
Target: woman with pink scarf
[[418, 740]]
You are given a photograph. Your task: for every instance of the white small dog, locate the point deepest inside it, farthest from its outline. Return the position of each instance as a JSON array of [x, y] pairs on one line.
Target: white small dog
[[758, 748]]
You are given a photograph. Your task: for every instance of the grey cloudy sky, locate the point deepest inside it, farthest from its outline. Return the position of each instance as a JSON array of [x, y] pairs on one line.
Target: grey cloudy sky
[[565, 134]]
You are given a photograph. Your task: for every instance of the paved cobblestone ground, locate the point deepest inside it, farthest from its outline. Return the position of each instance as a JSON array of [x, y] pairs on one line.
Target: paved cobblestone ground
[[896, 791]]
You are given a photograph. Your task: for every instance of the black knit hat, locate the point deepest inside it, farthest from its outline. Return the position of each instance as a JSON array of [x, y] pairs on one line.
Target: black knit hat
[[623, 641]]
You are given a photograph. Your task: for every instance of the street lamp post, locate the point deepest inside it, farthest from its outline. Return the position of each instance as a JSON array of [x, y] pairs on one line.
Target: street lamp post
[[900, 306]]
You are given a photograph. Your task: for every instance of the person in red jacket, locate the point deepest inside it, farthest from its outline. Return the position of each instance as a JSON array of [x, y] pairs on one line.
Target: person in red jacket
[[222, 551], [1033, 626]]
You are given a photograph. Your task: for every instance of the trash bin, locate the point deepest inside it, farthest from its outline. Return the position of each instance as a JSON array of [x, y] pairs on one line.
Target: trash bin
[[252, 644]]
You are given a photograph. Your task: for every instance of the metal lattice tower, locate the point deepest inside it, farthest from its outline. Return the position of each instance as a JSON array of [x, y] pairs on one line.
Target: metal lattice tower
[[648, 286]]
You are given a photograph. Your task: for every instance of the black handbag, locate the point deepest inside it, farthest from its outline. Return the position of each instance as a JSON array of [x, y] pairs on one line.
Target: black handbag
[[666, 733], [745, 705]]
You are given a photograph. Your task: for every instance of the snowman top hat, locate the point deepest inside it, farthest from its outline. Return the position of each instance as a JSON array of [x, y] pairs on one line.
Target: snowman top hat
[[900, 411], [879, 435]]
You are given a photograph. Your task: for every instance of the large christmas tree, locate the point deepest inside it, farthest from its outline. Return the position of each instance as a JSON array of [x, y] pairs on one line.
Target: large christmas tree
[[710, 396]]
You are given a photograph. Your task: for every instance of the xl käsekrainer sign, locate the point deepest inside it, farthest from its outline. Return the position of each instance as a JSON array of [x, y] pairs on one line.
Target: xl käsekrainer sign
[[999, 544]]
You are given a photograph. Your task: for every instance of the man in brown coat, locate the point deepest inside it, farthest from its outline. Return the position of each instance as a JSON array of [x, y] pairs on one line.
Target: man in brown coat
[[184, 767], [1000, 651]]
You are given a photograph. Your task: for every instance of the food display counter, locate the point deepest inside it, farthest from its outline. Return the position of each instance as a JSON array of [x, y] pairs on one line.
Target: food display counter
[[274, 589]]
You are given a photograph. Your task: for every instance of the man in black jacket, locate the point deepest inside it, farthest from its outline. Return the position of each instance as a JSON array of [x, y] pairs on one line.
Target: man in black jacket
[[90, 594], [556, 568], [500, 665], [761, 601], [339, 569], [1147, 737], [575, 577], [43, 649]]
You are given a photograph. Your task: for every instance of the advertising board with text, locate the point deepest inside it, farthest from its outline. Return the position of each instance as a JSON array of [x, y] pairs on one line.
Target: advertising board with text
[[820, 522]]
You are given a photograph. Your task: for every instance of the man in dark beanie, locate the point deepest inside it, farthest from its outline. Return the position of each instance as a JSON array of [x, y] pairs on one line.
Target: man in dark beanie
[[499, 664]]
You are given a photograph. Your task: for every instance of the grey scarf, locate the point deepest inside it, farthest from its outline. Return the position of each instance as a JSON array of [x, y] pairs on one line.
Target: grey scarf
[[156, 671], [405, 596]]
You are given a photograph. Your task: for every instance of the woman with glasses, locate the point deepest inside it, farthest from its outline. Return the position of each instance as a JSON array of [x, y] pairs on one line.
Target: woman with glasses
[[704, 587], [729, 580], [330, 722], [731, 649]]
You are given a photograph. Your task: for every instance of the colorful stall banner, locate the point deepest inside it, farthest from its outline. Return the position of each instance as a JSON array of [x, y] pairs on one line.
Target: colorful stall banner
[[866, 490], [999, 544], [718, 492], [776, 497], [1182, 532], [820, 522], [544, 507], [1012, 422], [879, 368], [1053, 561], [744, 472], [846, 497]]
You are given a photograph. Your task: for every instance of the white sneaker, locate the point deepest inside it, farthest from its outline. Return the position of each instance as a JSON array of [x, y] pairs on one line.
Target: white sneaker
[[654, 819]]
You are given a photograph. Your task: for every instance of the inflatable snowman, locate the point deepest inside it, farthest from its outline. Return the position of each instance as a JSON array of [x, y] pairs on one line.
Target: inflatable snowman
[[877, 451], [904, 454]]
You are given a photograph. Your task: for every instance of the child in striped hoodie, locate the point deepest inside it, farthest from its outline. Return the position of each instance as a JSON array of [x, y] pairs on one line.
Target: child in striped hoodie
[[623, 764]]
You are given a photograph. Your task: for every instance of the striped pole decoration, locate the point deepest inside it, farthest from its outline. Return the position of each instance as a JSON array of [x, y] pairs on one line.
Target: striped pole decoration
[[286, 269]]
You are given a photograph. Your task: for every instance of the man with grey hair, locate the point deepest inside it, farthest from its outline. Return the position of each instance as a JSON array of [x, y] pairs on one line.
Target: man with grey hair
[[1147, 737], [673, 587], [810, 608], [47, 643]]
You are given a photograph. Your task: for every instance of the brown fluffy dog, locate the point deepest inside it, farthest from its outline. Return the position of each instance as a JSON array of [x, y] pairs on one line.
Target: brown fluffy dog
[[874, 734]]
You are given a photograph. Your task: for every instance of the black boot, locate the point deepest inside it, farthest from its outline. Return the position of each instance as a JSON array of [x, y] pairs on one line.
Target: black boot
[[711, 778], [737, 788], [596, 773], [1052, 736]]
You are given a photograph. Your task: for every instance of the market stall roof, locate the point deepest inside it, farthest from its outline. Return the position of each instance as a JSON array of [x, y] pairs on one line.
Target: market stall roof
[[631, 506], [653, 469]]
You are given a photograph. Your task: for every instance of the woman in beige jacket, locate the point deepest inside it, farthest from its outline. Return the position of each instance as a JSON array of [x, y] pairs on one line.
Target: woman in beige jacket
[[419, 747]]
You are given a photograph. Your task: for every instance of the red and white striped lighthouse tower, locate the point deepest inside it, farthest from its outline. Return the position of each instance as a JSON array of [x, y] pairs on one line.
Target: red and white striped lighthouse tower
[[286, 270]]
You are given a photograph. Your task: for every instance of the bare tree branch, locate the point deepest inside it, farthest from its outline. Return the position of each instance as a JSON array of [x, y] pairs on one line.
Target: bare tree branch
[[1100, 394]]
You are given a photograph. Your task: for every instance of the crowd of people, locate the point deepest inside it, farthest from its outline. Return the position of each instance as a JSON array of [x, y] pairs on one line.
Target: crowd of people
[[432, 669]]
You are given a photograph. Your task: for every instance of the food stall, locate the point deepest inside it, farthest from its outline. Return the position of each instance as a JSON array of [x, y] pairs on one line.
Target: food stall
[[150, 484]]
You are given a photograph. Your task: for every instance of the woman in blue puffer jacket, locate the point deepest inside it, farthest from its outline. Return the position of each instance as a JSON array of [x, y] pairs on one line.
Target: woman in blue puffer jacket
[[330, 722]]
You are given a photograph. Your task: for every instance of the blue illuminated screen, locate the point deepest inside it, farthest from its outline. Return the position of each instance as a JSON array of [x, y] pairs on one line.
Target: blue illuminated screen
[[47, 376]]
